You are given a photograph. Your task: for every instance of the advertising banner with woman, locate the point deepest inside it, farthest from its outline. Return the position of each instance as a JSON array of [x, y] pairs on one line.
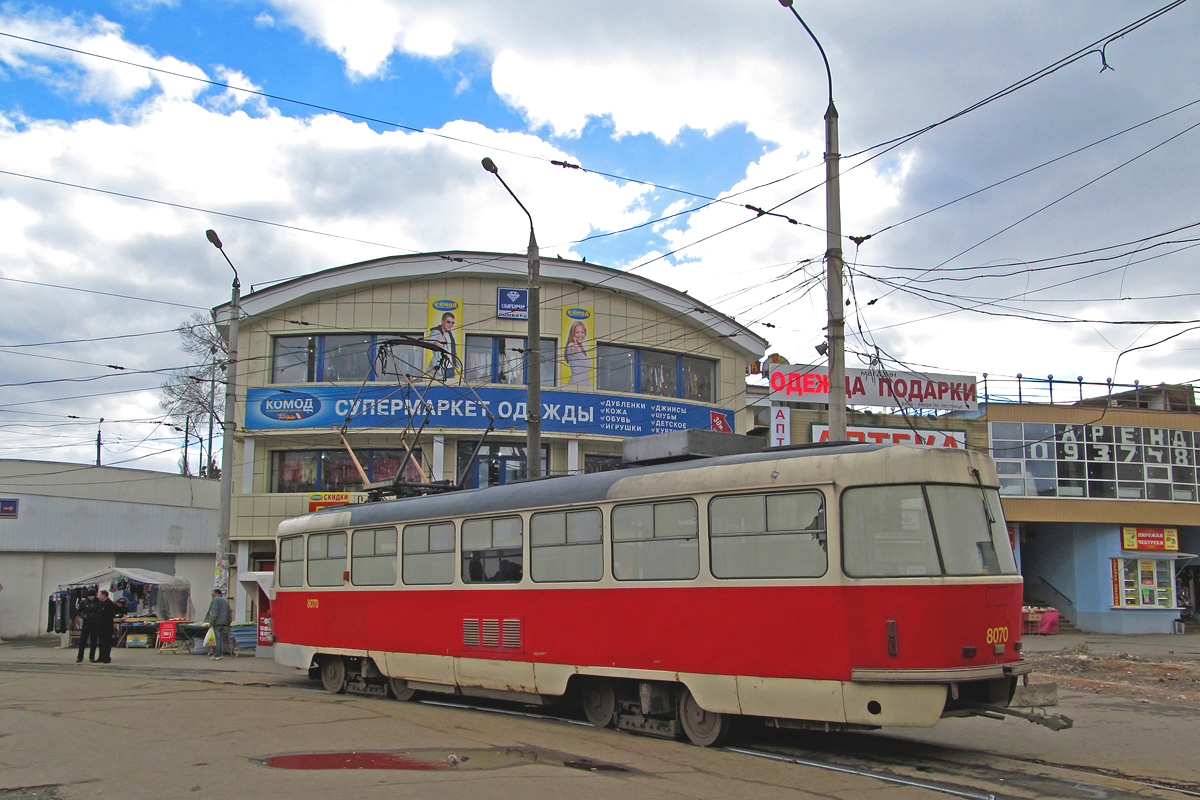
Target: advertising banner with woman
[[577, 349]]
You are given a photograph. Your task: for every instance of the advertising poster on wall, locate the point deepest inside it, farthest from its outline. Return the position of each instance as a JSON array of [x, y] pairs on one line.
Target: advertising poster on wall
[[442, 321], [578, 331]]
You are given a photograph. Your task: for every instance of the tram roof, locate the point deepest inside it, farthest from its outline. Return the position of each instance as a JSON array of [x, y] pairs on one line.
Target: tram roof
[[561, 490]]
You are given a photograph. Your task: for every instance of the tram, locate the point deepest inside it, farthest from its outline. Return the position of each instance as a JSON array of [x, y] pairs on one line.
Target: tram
[[830, 587]]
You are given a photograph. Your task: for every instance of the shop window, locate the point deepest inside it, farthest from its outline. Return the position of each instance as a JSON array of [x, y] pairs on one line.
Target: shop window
[[1143, 582], [295, 359], [656, 541], [345, 358], [291, 561], [658, 374], [595, 463], [567, 546], [768, 535], [491, 550], [326, 559], [616, 369], [296, 472], [501, 359], [637, 371], [307, 471], [699, 379], [373, 557], [429, 554]]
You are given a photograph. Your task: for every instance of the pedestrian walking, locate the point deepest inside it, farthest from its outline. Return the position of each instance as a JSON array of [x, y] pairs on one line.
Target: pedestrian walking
[[219, 615]]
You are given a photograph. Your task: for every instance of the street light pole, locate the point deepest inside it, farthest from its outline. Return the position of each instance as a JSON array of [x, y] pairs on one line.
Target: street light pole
[[221, 576], [533, 343], [212, 409], [833, 256]]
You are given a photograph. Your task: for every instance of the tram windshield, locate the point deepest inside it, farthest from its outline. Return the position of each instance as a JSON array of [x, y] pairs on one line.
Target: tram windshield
[[922, 530]]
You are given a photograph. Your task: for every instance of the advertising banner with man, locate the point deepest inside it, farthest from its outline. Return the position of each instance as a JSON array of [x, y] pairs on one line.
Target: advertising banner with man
[[442, 363]]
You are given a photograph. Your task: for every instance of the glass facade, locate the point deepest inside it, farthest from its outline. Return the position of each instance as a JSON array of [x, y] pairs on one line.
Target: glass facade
[[1099, 462]]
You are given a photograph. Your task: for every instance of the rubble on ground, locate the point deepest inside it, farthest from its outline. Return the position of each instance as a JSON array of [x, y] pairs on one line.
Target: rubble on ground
[[1161, 679]]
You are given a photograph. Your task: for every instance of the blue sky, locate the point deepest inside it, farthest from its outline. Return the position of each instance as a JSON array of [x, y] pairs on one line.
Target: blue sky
[[723, 101]]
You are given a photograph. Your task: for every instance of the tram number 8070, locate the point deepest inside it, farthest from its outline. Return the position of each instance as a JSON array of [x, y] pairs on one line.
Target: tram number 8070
[[997, 635], [314, 602]]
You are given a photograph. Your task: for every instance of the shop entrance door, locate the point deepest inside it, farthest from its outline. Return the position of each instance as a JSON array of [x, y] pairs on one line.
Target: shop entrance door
[[496, 464], [498, 470]]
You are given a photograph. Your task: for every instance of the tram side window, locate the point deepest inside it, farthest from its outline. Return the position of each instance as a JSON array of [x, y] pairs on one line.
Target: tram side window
[[656, 541], [886, 533], [291, 561], [491, 550], [768, 535], [566, 546], [326, 559], [373, 557], [429, 554]]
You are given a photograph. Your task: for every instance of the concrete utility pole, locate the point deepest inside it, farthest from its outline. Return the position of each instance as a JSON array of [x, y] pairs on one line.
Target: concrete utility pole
[[835, 306], [533, 342], [221, 576]]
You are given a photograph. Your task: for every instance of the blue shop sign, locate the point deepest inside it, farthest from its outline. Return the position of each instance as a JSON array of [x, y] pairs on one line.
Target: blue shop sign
[[512, 303], [460, 407]]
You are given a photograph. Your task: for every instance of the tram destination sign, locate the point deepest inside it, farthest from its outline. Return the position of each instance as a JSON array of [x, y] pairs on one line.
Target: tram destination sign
[[308, 407]]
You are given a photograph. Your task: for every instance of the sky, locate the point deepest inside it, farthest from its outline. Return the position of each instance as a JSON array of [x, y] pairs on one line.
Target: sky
[[1018, 178]]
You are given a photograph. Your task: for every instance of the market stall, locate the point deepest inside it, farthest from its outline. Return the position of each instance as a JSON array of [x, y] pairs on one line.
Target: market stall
[[148, 597]]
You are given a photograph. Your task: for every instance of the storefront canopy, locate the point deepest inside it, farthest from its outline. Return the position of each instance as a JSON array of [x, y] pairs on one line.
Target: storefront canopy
[[174, 593], [110, 574]]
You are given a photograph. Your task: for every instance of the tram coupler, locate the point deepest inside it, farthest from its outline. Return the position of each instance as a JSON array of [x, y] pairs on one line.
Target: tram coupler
[[1055, 722]]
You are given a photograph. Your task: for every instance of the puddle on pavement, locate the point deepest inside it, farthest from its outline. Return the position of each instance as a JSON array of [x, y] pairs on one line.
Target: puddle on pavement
[[434, 760]]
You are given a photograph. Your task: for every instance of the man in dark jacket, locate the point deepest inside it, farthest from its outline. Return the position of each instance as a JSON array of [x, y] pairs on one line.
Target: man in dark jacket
[[86, 611], [219, 615], [106, 612]]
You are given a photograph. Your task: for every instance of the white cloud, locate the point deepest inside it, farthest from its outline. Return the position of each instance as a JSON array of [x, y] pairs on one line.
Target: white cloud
[[87, 78]]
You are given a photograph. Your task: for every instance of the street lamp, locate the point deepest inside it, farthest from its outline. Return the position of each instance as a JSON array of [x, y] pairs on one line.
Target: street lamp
[[221, 577], [833, 256], [533, 343]]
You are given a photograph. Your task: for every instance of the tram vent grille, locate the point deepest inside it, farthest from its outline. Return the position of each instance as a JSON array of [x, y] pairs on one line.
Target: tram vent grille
[[512, 633], [471, 633], [491, 633]]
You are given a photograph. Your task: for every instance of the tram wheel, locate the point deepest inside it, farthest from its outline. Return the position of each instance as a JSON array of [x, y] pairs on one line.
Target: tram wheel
[[703, 728], [600, 702], [400, 689], [333, 674]]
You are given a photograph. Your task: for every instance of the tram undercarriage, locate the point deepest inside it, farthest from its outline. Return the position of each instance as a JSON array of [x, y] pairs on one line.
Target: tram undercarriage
[[668, 709]]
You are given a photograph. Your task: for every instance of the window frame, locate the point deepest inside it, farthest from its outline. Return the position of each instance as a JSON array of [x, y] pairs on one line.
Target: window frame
[[428, 550], [356, 559], [616, 543], [501, 554], [567, 544], [310, 560], [819, 535], [677, 377]]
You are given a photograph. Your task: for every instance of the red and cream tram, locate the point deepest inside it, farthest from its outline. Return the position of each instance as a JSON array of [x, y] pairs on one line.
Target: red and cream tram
[[832, 587]]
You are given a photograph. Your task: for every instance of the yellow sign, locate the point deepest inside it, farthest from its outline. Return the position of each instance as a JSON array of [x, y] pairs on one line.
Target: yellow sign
[[1133, 538]]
